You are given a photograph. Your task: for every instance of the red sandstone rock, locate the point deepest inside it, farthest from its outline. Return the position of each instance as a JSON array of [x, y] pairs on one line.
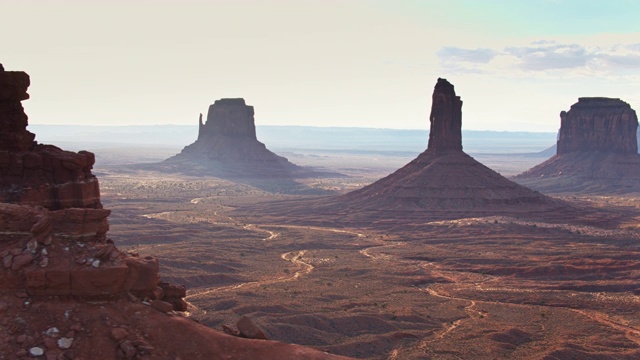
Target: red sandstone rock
[[443, 178], [248, 329], [53, 244], [598, 124], [597, 151], [143, 275], [172, 291], [162, 306], [445, 118], [38, 174]]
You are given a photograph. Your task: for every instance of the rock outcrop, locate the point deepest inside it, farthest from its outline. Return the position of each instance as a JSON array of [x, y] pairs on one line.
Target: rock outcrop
[[598, 124], [227, 146], [52, 224], [445, 118], [443, 181], [33, 173], [596, 152]]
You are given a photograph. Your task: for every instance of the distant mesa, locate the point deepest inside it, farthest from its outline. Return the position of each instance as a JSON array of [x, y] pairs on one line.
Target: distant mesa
[[227, 145], [597, 150]]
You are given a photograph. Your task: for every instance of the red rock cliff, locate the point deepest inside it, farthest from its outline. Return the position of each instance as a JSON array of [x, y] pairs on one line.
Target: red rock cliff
[[598, 124], [52, 224], [33, 173]]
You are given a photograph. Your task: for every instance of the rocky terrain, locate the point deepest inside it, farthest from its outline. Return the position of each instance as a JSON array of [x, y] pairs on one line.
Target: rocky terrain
[[66, 291], [452, 262], [227, 147], [597, 151], [486, 287]]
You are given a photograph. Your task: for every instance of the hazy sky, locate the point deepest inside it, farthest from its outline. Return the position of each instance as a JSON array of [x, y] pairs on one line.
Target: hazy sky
[[373, 63]]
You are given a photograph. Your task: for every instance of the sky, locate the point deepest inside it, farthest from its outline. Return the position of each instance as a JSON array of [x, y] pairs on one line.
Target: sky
[[516, 64]]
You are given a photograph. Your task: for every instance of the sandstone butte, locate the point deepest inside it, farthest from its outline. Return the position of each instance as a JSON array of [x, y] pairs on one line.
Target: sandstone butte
[[444, 178], [227, 146], [597, 150], [442, 183], [66, 291]]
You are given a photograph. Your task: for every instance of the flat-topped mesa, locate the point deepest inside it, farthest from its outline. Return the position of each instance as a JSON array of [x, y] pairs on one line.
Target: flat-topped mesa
[[446, 118], [229, 118], [227, 145], [598, 124]]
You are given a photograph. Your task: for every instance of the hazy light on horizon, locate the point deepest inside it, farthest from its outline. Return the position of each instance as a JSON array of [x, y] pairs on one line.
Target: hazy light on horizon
[[359, 63]]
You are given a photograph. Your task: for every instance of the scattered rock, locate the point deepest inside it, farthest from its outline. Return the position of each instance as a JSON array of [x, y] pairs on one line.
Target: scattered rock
[[65, 343], [52, 332], [128, 349], [248, 329], [21, 353], [21, 261], [36, 351], [119, 333], [162, 305]]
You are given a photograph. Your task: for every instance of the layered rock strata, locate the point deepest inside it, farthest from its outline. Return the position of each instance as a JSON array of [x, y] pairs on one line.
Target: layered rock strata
[[598, 124], [33, 173], [597, 151], [52, 224]]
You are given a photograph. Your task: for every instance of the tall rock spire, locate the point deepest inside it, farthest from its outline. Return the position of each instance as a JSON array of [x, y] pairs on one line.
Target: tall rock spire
[[446, 118]]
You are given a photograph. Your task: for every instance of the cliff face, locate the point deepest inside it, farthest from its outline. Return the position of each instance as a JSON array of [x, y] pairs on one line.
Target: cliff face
[[229, 118], [52, 224], [598, 124], [597, 151], [36, 174], [445, 118]]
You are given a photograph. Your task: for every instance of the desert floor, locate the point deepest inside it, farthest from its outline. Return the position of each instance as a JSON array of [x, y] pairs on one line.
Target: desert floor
[[475, 288]]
